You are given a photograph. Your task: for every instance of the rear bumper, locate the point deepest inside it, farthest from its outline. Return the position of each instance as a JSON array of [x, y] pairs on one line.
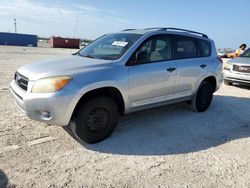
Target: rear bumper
[[51, 108]]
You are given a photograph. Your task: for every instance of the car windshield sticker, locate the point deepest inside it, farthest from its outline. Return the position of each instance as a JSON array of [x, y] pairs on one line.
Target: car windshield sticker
[[119, 43]]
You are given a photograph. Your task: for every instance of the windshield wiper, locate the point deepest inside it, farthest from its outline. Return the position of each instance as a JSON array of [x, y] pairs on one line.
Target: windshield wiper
[[88, 56], [76, 53]]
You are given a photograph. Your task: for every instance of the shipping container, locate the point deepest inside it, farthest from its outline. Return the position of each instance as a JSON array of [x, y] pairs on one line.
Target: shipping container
[[14, 39], [59, 42]]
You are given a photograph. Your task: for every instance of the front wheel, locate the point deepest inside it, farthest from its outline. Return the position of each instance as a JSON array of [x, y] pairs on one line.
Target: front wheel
[[96, 119], [203, 97]]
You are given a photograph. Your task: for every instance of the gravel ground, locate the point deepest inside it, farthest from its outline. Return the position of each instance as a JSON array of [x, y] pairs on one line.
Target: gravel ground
[[163, 147]]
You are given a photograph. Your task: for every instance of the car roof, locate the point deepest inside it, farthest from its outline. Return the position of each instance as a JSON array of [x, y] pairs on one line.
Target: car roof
[[167, 30]]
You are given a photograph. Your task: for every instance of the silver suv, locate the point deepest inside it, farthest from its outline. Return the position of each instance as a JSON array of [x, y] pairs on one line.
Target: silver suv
[[117, 74]]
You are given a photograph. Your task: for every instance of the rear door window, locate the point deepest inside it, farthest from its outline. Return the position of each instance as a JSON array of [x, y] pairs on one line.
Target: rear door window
[[185, 48]]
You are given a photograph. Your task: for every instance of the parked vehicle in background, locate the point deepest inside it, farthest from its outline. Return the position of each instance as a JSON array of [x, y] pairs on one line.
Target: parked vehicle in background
[[83, 44], [117, 74], [237, 70]]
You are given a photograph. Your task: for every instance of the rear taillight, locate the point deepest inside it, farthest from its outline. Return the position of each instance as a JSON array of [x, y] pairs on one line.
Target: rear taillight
[[220, 59]]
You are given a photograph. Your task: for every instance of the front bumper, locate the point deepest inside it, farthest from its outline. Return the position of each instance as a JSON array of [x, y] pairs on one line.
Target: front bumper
[[51, 108], [236, 77]]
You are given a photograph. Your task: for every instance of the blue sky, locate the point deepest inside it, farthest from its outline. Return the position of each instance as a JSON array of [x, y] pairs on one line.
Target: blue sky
[[225, 21]]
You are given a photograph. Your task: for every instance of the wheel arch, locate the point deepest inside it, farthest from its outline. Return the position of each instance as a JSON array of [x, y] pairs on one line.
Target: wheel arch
[[212, 81], [107, 91]]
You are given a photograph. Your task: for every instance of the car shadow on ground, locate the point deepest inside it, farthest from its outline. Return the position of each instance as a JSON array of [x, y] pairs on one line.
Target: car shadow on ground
[[241, 86], [177, 130], [3, 179]]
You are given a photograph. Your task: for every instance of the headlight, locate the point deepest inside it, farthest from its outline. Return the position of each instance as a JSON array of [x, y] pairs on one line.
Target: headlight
[[51, 84], [227, 66]]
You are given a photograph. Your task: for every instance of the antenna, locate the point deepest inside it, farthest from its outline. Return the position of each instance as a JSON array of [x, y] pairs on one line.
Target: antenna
[[77, 20], [15, 24]]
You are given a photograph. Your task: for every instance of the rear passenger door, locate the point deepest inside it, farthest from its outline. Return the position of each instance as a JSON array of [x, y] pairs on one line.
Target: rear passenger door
[[188, 65]]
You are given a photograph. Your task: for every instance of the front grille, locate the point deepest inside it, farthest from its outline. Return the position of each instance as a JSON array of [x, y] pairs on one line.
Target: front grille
[[21, 81], [241, 68]]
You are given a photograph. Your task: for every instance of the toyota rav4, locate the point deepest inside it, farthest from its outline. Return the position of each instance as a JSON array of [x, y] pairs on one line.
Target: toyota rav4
[[117, 74]]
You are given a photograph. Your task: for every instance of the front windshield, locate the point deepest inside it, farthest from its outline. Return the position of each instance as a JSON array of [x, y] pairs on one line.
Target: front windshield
[[109, 47], [246, 53]]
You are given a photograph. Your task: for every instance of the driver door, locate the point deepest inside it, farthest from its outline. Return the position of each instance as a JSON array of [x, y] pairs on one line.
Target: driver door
[[152, 75]]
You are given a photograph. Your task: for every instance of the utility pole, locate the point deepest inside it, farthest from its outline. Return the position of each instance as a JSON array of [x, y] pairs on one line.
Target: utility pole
[[15, 24]]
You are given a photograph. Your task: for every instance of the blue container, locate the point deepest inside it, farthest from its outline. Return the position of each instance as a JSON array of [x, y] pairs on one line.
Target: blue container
[[18, 39]]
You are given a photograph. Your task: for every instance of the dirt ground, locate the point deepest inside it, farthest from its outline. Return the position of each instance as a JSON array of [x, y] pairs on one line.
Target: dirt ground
[[163, 147]]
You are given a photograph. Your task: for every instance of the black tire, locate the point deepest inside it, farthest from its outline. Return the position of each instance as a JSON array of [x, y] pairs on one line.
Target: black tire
[[228, 83], [203, 97], [96, 120]]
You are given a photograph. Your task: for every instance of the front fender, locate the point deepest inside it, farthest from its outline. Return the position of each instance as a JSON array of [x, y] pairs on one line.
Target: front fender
[[94, 86]]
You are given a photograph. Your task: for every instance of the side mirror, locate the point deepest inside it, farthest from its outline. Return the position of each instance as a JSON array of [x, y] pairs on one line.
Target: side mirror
[[141, 56], [138, 58]]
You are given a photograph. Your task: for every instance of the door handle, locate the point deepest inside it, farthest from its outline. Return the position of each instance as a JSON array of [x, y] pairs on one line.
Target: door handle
[[203, 66], [171, 69]]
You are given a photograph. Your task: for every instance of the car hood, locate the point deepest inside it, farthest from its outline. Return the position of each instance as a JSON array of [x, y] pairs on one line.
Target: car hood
[[68, 65], [240, 61]]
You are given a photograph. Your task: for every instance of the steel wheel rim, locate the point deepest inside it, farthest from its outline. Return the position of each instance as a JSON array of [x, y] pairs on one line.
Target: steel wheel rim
[[97, 120]]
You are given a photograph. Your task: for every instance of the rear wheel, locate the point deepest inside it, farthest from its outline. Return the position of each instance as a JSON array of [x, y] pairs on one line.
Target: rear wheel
[[96, 120], [228, 83], [203, 97]]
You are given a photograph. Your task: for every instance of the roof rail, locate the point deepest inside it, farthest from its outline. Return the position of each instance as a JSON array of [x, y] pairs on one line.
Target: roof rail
[[128, 29], [178, 29], [189, 31], [171, 28], [159, 28]]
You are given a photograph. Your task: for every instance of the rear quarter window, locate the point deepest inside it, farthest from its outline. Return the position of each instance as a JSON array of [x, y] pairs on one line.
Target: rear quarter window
[[204, 48]]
